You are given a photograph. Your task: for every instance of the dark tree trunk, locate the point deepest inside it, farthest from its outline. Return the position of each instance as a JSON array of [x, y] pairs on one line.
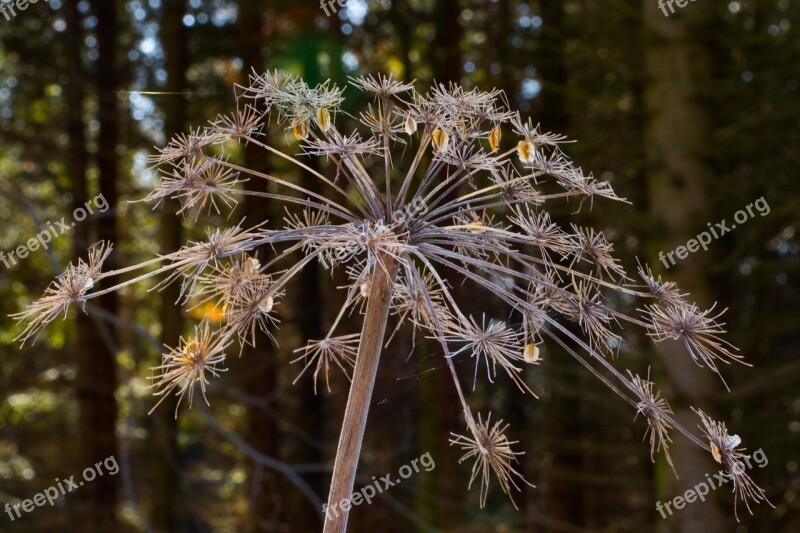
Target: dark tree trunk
[[678, 67], [97, 367], [77, 165], [402, 18], [449, 413], [565, 498], [446, 48], [307, 406], [261, 380], [166, 501]]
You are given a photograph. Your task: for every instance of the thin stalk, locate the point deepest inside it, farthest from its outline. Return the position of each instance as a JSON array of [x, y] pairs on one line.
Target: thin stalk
[[355, 415]]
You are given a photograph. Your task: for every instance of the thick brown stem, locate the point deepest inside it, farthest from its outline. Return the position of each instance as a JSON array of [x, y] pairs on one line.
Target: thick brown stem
[[355, 415]]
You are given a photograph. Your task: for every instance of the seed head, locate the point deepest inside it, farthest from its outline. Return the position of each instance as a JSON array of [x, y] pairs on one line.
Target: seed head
[[491, 452]]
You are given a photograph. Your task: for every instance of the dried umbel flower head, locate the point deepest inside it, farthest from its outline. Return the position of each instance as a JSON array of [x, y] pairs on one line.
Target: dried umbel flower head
[[339, 351], [69, 288], [189, 364], [698, 330], [656, 411], [666, 292], [726, 451], [495, 344], [470, 210], [197, 183], [491, 452]]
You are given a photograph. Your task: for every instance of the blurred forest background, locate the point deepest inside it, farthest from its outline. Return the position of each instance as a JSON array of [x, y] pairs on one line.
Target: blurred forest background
[[691, 117]]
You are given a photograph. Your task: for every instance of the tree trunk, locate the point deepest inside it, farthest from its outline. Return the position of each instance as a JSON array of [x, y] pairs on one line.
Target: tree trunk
[[260, 361], [308, 407], [566, 498], [678, 67], [97, 366], [447, 44], [449, 414], [166, 500], [77, 166]]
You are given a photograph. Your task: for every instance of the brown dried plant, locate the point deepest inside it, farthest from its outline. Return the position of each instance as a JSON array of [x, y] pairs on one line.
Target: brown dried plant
[[429, 189]]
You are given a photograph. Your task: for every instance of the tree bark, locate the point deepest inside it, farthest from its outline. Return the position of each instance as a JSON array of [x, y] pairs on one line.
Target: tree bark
[[97, 380], [678, 67], [447, 44], [166, 500], [261, 361], [566, 498], [446, 61]]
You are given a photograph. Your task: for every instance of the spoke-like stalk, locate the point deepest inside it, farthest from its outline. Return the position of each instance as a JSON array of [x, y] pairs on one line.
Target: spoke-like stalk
[[355, 415]]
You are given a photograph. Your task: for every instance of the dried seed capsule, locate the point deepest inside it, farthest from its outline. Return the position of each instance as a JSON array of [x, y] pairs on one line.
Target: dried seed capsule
[[476, 226], [364, 289], [495, 136], [323, 119], [266, 305], [526, 150], [440, 140], [250, 267], [300, 130], [410, 125], [531, 353]]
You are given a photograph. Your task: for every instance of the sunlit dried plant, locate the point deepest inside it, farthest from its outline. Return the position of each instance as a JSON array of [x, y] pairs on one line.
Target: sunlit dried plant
[[187, 365], [444, 184]]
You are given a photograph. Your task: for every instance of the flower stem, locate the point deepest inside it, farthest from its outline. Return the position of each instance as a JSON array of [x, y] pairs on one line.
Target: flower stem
[[355, 415]]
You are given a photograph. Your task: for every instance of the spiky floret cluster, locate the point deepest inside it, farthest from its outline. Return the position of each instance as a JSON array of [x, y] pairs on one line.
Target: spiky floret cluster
[[726, 451], [430, 186]]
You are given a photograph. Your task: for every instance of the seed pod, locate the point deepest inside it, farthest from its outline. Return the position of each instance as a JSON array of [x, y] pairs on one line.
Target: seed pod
[[410, 125], [715, 452], [476, 226], [251, 266], [440, 140], [323, 119], [266, 305], [526, 150], [495, 136], [531, 353], [300, 130]]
